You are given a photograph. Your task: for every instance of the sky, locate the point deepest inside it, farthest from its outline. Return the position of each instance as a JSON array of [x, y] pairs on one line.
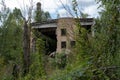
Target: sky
[[54, 7]]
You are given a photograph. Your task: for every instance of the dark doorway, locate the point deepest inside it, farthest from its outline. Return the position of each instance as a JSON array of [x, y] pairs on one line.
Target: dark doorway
[[49, 36]]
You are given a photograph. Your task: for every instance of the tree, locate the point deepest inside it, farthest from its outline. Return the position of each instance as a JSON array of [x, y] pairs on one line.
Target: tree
[[108, 34], [40, 15], [26, 38], [10, 40], [12, 36], [101, 53], [84, 15], [97, 58], [10, 33]]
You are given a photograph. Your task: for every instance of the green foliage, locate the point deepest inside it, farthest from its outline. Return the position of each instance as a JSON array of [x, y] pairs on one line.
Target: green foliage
[[41, 16], [60, 60], [45, 16], [11, 38], [84, 15], [38, 16], [110, 32], [97, 58], [101, 53], [37, 70], [11, 43]]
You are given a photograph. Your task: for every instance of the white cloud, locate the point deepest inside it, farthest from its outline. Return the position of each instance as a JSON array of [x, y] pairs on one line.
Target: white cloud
[[52, 5], [49, 5], [64, 13], [17, 3], [55, 6], [91, 10]]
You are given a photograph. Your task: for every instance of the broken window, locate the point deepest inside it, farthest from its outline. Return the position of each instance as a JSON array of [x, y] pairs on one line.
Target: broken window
[[72, 43], [63, 32], [63, 44]]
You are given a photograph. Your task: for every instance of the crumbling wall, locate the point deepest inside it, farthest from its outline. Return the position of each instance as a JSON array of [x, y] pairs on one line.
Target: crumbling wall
[[69, 25]]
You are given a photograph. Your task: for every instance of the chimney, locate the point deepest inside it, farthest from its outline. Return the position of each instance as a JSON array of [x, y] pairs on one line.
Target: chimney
[[38, 12], [38, 6]]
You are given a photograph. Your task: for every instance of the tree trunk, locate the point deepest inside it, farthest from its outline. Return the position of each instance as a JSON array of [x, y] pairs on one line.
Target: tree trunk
[[26, 48]]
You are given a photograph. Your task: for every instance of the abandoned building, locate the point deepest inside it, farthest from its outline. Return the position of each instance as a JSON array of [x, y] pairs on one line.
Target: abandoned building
[[61, 32]]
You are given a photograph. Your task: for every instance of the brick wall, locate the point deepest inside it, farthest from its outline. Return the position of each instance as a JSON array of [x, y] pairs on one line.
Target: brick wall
[[69, 25]]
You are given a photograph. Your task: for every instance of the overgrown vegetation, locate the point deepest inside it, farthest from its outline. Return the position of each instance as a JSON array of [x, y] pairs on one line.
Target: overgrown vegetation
[[95, 58]]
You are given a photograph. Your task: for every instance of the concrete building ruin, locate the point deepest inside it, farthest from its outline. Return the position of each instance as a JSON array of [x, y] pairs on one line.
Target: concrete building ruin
[[62, 32]]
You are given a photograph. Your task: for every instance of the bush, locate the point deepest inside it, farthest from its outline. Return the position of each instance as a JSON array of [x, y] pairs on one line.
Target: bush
[[60, 60]]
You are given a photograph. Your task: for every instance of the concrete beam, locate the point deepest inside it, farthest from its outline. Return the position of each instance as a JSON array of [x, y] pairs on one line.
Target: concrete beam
[[50, 25]]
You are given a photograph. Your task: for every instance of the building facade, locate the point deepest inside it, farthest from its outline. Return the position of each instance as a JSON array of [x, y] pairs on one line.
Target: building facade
[[62, 31]]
